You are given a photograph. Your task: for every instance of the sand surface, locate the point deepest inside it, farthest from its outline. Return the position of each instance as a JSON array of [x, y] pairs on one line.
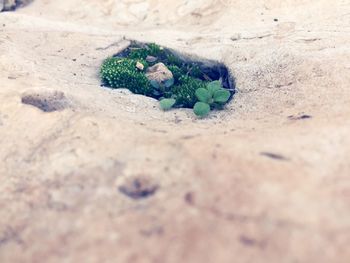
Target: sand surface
[[266, 180]]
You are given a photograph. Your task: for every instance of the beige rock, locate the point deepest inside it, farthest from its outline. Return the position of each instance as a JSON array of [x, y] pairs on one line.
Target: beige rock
[[258, 182], [139, 65], [159, 73], [151, 59]]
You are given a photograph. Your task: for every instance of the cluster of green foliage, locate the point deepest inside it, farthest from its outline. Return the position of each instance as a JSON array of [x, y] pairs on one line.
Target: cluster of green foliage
[[142, 52], [123, 73], [188, 88], [208, 96], [177, 72], [185, 91], [213, 96], [137, 52]]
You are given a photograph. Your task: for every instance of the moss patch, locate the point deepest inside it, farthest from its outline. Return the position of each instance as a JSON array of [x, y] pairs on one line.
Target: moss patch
[[123, 73]]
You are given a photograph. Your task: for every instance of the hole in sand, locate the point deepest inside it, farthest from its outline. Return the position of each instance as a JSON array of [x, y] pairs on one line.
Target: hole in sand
[[46, 101], [165, 74], [211, 69]]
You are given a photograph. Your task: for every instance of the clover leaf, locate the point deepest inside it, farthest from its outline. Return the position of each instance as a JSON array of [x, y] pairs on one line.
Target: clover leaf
[[203, 95], [214, 86], [210, 97], [167, 104], [201, 109], [169, 83], [221, 95]]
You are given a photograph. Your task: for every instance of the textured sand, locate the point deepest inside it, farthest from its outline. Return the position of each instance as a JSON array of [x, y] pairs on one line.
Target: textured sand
[[266, 180]]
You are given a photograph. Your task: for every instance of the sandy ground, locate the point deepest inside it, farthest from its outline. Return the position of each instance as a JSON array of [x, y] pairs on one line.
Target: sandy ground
[[266, 180]]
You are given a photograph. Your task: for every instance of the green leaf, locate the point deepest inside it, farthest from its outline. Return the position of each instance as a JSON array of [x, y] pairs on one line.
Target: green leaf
[[214, 86], [201, 109], [155, 84], [167, 104], [203, 95], [221, 95], [169, 83]]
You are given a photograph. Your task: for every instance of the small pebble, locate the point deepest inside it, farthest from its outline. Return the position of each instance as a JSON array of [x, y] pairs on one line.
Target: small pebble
[[140, 66], [151, 59]]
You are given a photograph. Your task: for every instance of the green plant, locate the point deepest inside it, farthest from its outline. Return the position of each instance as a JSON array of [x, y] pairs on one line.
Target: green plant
[[150, 49], [195, 71], [210, 97], [154, 50], [123, 73], [162, 89], [177, 72], [201, 109], [138, 53], [185, 91], [167, 104], [171, 59]]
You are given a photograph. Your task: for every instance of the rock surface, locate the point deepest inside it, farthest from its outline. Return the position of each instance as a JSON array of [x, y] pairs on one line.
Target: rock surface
[[266, 180]]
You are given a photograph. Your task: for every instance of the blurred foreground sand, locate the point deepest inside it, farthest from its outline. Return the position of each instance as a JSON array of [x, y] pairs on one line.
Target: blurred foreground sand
[[266, 180]]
